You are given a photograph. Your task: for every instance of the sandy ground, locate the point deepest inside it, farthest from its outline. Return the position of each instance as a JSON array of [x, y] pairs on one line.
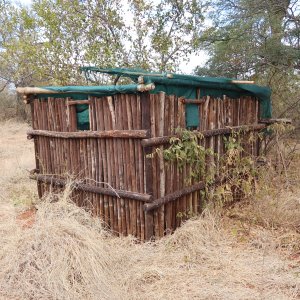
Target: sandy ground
[[16, 157], [17, 191], [208, 258]]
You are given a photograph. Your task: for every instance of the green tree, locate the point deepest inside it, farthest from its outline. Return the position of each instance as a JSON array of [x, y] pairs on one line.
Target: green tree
[[165, 33], [257, 40], [49, 41]]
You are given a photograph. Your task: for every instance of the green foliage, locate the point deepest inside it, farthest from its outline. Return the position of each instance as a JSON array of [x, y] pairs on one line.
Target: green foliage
[[258, 34], [46, 43], [7, 103], [187, 150], [257, 40], [166, 32], [235, 170]]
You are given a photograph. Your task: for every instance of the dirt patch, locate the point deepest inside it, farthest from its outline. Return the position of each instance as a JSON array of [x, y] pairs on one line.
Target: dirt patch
[[26, 218]]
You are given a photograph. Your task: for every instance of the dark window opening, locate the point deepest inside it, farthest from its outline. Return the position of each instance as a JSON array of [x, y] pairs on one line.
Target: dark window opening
[[83, 117]]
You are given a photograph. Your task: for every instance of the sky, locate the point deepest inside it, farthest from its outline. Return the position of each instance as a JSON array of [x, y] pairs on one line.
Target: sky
[[24, 2], [185, 67]]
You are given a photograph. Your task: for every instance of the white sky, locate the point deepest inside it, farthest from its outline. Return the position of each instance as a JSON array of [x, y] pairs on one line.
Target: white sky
[[185, 67], [24, 2]]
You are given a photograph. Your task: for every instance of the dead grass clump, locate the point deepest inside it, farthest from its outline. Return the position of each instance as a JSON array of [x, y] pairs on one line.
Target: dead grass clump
[[281, 211], [66, 254], [63, 255], [201, 260]]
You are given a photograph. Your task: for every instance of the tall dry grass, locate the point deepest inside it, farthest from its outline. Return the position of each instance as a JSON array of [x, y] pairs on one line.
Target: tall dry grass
[[62, 256], [66, 254], [16, 159]]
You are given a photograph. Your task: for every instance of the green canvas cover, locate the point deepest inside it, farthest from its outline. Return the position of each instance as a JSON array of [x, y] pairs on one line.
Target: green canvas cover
[[83, 118], [171, 84], [83, 92], [187, 85]]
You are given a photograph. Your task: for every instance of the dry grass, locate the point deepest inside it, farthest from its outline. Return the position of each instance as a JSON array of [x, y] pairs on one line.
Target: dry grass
[[63, 255], [16, 159], [66, 254]]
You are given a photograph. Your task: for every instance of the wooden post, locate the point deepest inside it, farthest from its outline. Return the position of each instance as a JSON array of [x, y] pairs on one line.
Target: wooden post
[[146, 124], [162, 173]]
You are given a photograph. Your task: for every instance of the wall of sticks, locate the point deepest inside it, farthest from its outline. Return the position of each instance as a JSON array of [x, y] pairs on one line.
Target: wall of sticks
[[110, 167]]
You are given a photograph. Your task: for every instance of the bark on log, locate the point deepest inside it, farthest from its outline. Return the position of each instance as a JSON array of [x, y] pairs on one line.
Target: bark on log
[[272, 121], [91, 188], [37, 90], [176, 195], [148, 170], [75, 102], [136, 134], [157, 141], [242, 82], [191, 101]]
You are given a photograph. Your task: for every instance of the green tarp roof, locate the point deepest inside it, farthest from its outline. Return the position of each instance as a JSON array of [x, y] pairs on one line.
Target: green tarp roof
[[171, 84], [82, 92], [187, 85]]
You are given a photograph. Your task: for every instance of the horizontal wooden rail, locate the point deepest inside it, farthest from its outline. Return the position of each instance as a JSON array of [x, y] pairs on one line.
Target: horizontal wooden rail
[[242, 81], [272, 121], [92, 188], [178, 194], [37, 90], [191, 101], [156, 141], [75, 102], [135, 134]]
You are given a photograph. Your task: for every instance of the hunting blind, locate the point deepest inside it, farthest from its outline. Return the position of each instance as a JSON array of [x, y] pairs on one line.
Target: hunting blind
[[103, 137]]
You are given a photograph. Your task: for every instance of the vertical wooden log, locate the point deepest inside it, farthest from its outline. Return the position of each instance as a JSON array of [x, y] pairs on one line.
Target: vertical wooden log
[[102, 121], [48, 157], [99, 126], [218, 138], [154, 118], [136, 171], [133, 162], [119, 149], [53, 126], [115, 164], [179, 176], [108, 121], [36, 144], [141, 168], [258, 142], [162, 175], [173, 165], [94, 156], [146, 124], [41, 143], [205, 113], [105, 153], [43, 163], [70, 121], [123, 180], [128, 169], [168, 178], [185, 200], [212, 125]]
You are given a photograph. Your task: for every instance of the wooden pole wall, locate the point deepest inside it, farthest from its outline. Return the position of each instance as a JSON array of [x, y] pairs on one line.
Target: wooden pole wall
[[115, 156]]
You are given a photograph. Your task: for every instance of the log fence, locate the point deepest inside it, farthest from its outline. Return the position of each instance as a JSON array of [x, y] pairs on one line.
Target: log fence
[[147, 194]]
